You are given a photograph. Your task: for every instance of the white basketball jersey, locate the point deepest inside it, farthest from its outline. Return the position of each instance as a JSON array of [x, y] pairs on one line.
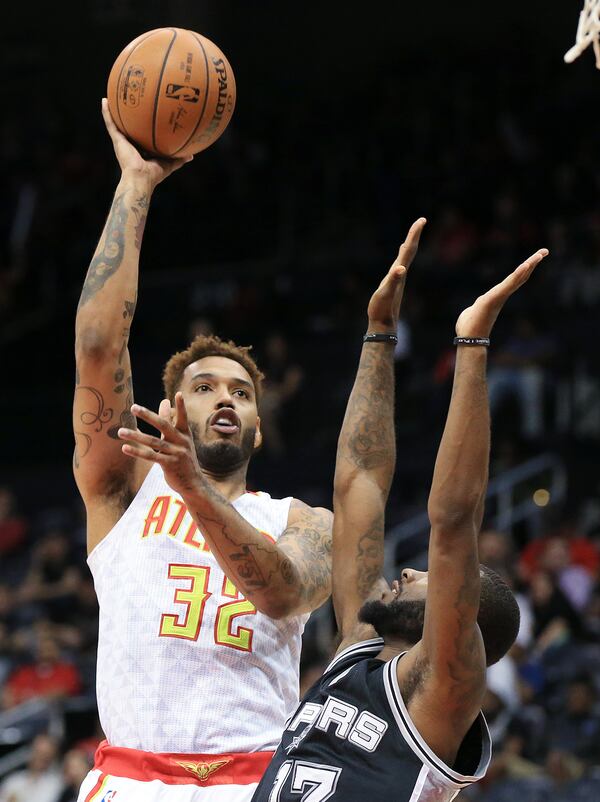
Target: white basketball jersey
[[185, 663]]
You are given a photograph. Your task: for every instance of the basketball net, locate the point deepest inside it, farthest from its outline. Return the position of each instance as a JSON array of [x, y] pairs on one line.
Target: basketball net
[[588, 32]]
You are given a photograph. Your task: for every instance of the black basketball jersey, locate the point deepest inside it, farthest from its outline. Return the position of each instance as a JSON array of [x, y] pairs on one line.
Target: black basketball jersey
[[351, 739]]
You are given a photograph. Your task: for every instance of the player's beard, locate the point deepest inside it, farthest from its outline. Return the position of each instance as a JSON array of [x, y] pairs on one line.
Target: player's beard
[[223, 457], [401, 618]]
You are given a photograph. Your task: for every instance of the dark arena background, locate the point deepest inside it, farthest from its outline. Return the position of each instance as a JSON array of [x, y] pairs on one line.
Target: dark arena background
[[352, 120]]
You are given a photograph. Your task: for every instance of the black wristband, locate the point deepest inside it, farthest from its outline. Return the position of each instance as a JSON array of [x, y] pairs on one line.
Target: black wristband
[[472, 341], [381, 338]]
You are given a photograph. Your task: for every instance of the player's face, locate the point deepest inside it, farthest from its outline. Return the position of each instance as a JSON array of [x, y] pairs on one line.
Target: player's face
[[399, 612], [412, 585], [221, 404]]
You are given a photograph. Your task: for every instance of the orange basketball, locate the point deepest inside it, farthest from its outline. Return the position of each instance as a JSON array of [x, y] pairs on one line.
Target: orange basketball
[[171, 92]]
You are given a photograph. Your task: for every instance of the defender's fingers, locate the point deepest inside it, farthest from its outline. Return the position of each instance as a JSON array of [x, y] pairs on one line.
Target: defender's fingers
[[181, 418], [522, 273], [409, 247], [392, 281], [525, 270]]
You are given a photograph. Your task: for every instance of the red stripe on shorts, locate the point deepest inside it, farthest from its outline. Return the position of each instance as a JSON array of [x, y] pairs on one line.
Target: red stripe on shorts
[[174, 769], [95, 789]]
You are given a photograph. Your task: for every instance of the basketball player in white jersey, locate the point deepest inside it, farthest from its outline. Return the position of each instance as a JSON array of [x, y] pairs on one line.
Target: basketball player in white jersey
[[204, 588]]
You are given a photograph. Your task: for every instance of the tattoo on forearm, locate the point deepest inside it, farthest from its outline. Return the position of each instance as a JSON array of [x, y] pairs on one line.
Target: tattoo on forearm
[[129, 310], [139, 208], [367, 439], [110, 255], [301, 559], [243, 556]]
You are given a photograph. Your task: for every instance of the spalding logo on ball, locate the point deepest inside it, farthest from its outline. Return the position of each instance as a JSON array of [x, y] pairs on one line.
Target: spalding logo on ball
[[172, 92]]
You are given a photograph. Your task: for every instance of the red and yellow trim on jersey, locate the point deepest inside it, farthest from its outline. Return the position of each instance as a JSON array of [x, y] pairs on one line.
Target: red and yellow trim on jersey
[[173, 769], [98, 789]]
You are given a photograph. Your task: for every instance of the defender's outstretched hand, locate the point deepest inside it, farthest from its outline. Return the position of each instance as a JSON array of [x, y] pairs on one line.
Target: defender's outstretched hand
[[478, 320], [130, 160], [384, 306], [174, 450]]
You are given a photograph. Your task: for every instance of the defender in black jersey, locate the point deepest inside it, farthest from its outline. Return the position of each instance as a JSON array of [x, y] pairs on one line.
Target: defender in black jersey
[[396, 715]]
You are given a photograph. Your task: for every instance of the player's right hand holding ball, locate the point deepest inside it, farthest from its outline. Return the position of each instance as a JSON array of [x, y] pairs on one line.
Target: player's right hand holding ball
[[131, 161]]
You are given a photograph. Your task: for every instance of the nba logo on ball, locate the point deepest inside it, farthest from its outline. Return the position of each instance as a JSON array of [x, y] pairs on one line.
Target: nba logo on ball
[[178, 92]]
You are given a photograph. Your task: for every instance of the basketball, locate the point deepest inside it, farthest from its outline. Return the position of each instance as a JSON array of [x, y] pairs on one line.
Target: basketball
[[172, 92]]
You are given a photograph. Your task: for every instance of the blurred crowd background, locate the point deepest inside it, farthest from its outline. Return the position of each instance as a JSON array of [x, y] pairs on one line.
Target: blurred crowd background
[[351, 122]]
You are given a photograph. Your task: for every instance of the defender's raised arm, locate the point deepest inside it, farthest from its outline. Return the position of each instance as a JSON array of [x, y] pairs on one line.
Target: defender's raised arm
[[104, 391], [451, 658], [366, 452]]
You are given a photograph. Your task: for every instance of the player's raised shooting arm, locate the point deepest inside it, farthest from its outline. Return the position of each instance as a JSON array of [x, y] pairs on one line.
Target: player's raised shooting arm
[[451, 654], [366, 452], [104, 389]]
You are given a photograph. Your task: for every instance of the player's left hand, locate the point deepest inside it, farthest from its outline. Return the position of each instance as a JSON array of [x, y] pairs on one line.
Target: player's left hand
[[384, 306], [478, 320], [174, 450]]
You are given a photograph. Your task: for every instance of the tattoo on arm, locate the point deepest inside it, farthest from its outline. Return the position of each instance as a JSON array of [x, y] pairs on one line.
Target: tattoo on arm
[[108, 261], [367, 439], [308, 545], [255, 564], [369, 556], [139, 208]]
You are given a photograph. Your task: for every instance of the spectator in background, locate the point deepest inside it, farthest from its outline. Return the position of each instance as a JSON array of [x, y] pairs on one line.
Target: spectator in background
[[518, 370], [283, 380], [13, 527], [53, 578], [555, 619], [41, 781], [79, 630], [76, 765], [574, 581], [49, 677], [575, 728], [582, 552]]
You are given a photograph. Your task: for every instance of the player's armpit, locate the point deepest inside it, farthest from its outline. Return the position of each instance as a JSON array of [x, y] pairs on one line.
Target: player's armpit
[[442, 706], [306, 542]]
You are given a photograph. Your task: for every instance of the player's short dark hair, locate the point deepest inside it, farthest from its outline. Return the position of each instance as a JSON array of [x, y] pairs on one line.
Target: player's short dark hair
[[209, 345], [498, 617]]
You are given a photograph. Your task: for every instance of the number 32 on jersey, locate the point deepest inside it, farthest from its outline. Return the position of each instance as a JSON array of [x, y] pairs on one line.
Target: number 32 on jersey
[[188, 624]]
